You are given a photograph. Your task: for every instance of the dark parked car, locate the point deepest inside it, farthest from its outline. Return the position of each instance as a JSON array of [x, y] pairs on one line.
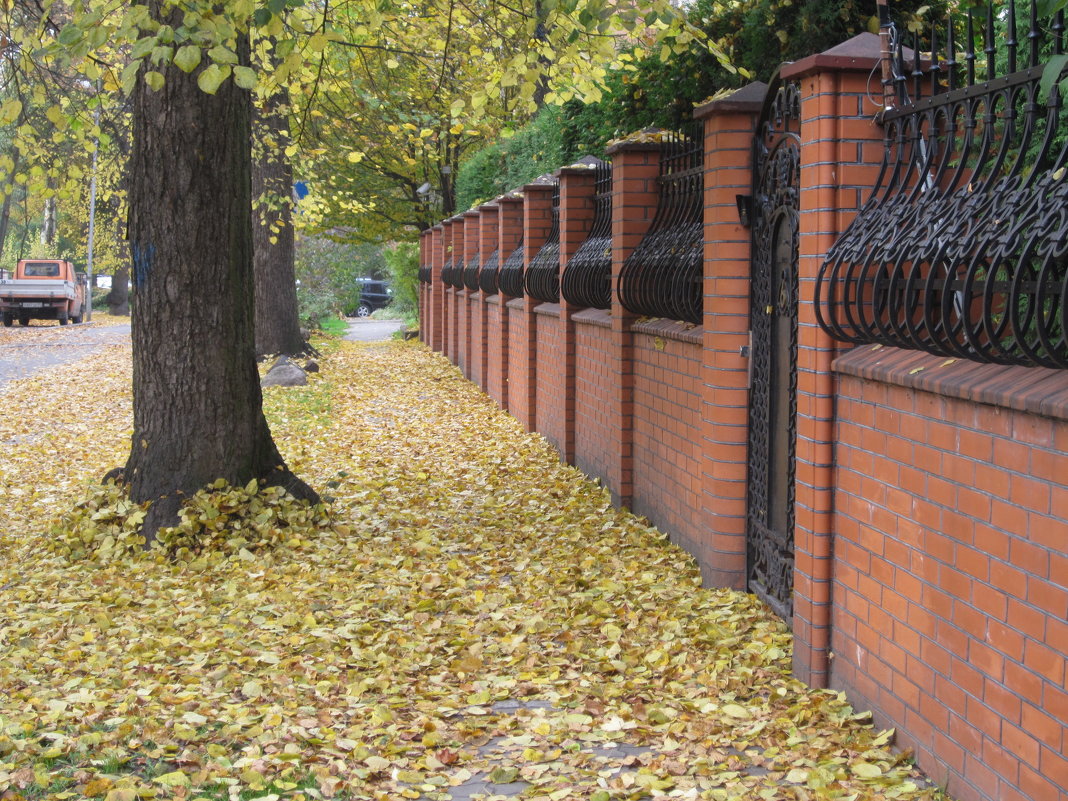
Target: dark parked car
[[373, 295]]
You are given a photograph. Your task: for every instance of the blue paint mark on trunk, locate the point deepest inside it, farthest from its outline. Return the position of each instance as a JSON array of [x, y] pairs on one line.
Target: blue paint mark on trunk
[[143, 256]]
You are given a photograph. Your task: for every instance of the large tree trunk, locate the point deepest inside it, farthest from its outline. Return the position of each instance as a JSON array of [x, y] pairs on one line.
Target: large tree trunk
[[277, 318], [197, 403]]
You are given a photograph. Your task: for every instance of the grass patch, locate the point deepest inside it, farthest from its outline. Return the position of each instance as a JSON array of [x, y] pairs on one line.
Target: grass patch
[[333, 326]]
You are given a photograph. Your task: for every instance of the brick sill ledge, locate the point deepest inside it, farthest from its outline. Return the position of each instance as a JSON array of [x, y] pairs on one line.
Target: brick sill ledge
[[1037, 390], [671, 329]]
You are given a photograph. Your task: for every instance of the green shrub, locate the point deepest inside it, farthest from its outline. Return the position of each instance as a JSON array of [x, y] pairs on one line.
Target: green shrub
[[535, 149], [402, 261]]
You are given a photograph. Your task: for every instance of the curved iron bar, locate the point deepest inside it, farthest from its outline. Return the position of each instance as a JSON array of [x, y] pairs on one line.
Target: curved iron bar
[[962, 249], [662, 277], [542, 277], [471, 273], [587, 277], [446, 273], [487, 276], [510, 276]]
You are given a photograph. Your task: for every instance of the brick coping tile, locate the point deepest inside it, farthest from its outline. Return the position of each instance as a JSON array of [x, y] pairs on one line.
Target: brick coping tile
[[1037, 390], [670, 329], [548, 309], [598, 317]]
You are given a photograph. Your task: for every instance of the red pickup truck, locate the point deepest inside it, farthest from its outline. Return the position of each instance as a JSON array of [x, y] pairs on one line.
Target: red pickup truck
[[44, 289]]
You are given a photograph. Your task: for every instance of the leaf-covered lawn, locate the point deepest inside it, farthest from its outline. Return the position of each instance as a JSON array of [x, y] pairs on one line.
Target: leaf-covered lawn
[[474, 617]]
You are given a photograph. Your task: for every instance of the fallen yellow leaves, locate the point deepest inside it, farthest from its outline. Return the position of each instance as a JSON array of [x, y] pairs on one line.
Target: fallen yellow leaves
[[470, 617]]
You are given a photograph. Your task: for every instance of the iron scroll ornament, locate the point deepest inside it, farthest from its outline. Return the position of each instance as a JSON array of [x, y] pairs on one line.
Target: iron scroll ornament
[[663, 276], [542, 277], [587, 277], [773, 319], [962, 249]]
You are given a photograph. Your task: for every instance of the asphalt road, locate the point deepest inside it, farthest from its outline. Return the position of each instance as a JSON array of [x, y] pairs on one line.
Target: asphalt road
[[24, 351]]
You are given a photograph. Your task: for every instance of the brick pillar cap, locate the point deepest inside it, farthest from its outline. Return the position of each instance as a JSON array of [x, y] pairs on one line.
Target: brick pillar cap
[[540, 187], [511, 197], [749, 99], [471, 213], [646, 139], [439, 227], [856, 54], [489, 207]]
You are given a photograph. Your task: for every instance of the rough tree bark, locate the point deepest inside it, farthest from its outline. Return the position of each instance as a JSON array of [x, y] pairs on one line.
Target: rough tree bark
[[277, 319], [197, 402]]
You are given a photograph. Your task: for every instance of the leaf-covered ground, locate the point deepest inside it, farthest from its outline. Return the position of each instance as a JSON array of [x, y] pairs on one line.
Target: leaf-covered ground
[[472, 620]]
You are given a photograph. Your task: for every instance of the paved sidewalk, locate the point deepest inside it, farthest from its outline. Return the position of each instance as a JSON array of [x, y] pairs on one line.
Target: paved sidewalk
[[372, 330]]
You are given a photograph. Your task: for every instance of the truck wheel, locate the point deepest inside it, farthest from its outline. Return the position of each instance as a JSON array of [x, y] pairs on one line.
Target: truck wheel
[[24, 320], [77, 318], [64, 318], [8, 319]]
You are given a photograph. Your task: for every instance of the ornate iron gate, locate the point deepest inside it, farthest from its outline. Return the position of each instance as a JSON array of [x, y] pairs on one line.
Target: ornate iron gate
[[773, 210]]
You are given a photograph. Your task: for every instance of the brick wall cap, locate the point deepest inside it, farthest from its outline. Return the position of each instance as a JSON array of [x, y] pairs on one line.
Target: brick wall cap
[[489, 207], [584, 166], [749, 99], [670, 329], [1036, 390], [511, 197], [516, 303], [550, 309], [471, 213], [494, 299], [439, 227], [598, 317], [856, 54]]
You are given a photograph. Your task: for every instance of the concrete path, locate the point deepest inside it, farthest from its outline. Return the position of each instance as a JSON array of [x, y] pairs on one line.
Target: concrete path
[[366, 330], [25, 351]]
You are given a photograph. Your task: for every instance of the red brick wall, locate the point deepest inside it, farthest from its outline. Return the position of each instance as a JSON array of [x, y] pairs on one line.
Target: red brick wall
[[951, 574], [595, 432], [667, 429], [476, 345], [517, 382], [551, 410], [494, 374]]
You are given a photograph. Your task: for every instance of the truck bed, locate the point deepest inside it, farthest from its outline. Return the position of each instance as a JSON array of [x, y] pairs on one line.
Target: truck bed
[[31, 288]]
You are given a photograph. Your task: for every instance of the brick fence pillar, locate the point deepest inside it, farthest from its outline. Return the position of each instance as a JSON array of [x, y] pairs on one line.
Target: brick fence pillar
[[522, 371], [509, 237], [454, 250], [728, 132], [469, 222], [838, 140], [436, 303], [635, 168], [577, 188], [487, 245]]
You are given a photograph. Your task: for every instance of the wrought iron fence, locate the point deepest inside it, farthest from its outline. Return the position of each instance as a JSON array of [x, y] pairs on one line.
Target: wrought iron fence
[[446, 273], [471, 273], [487, 276], [587, 276], [662, 277], [510, 276], [962, 250], [542, 278]]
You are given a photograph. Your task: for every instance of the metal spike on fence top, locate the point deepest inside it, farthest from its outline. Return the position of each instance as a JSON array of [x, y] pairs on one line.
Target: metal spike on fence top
[[969, 53], [990, 50], [936, 68], [885, 55], [951, 55], [1033, 35], [1011, 43], [1058, 33]]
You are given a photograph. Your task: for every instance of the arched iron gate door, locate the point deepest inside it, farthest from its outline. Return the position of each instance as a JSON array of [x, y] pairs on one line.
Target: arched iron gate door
[[773, 353]]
